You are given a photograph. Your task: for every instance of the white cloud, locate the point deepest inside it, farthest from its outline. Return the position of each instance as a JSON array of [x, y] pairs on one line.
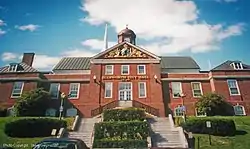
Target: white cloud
[[96, 43], [228, 1], [2, 32], [78, 53], [9, 56], [2, 23], [172, 20], [45, 62], [30, 27]]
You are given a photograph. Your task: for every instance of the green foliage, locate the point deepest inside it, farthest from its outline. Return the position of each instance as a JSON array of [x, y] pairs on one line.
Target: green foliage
[[112, 143], [70, 122], [33, 127], [214, 104], [137, 130], [3, 111], [126, 114], [219, 126], [32, 103]]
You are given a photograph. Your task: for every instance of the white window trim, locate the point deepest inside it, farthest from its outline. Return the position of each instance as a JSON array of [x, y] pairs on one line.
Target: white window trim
[[122, 69], [20, 92], [138, 72], [145, 89], [180, 89], [111, 94], [78, 84], [178, 107], [112, 71], [196, 113], [193, 89], [234, 66], [58, 88], [131, 85], [236, 87], [15, 68], [244, 112]]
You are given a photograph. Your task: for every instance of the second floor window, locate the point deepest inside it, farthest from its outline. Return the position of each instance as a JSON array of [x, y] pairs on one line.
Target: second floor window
[[141, 69], [125, 69], [74, 90], [176, 89], [109, 69], [54, 90], [196, 88], [17, 89], [233, 87]]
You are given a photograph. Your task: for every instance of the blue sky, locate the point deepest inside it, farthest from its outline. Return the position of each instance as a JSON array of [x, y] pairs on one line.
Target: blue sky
[[215, 30]]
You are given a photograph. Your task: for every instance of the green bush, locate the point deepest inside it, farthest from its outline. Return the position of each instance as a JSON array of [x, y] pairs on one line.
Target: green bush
[[127, 114], [124, 130], [109, 143], [33, 127], [3, 111], [219, 126]]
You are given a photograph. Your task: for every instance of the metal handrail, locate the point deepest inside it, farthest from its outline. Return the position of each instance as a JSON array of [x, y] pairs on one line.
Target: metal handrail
[[147, 108], [107, 106]]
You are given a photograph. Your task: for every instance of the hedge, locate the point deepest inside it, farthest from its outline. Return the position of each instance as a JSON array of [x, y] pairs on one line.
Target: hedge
[[3, 111], [33, 127], [109, 143], [219, 126], [127, 114], [131, 129]]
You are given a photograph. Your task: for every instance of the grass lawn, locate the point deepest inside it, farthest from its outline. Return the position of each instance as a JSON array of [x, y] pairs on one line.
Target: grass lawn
[[239, 141], [18, 143]]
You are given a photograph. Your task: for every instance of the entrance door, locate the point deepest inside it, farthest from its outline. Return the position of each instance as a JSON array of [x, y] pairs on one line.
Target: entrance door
[[125, 91]]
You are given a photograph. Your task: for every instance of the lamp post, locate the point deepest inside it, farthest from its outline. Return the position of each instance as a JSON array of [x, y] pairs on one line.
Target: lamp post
[[61, 105], [183, 107]]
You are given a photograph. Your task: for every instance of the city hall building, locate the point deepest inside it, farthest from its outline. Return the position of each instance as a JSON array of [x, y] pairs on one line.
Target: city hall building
[[127, 75]]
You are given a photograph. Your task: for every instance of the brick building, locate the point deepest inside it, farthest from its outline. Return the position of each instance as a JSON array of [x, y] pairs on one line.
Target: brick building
[[126, 75]]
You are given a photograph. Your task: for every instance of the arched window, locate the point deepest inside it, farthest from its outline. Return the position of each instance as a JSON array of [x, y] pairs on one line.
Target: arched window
[[50, 112], [239, 110], [178, 111]]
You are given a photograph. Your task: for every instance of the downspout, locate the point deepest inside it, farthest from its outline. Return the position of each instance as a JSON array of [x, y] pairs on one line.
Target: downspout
[[100, 87]]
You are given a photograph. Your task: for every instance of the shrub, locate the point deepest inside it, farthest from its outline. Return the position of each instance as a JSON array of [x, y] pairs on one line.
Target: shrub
[[127, 114], [70, 122], [137, 130], [109, 143], [219, 126], [3, 111], [33, 127]]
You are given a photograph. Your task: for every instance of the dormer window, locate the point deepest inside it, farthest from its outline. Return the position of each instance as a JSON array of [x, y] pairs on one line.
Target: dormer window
[[13, 67], [237, 65]]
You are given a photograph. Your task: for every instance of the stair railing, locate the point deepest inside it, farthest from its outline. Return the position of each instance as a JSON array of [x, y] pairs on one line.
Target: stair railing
[[147, 108], [107, 106]]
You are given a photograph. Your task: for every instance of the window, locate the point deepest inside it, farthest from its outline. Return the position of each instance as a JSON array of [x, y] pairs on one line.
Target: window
[[54, 90], [142, 89], [200, 114], [125, 69], [239, 110], [176, 89], [13, 67], [108, 89], [127, 39], [141, 69], [74, 90], [17, 89], [109, 69], [237, 65], [178, 111], [233, 87], [197, 89]]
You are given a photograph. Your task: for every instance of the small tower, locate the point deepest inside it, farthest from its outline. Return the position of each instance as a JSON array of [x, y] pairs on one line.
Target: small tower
[[126, 35]]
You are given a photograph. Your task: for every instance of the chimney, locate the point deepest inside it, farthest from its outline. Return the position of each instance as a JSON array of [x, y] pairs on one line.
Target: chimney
[[28, 58]]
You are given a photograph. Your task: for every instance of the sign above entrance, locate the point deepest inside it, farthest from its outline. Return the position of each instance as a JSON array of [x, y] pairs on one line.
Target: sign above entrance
[[125, 77]]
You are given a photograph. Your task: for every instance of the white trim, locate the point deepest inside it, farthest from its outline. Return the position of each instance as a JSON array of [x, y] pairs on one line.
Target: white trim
[[122, 69], [112, 70], [20, 91], [122, 61], [232, 77], [193, 89], [243, 109], [105, 89], [178, 107], [138, 72], [58, 90], [78, 89], [185, 79], [172, 89], [196, 114], [13, 66], [131, 90], [70, 72], [145, 89], [236, 83]]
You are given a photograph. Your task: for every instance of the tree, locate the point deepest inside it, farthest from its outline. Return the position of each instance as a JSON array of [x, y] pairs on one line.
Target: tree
[[32, 103], [213, 104]]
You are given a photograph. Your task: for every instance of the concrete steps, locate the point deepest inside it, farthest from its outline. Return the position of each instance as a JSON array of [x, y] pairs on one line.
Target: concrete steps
[[85, 130], [163, 135]]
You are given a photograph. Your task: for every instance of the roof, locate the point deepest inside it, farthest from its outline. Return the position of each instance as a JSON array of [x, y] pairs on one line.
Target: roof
[[127, 32], [178, 62], [22, 67], [226, 66], [167, 62], [73, 63]]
